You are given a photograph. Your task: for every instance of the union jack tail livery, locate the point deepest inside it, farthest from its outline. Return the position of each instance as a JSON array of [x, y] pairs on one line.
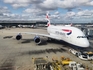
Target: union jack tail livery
[[48, 20], [71, 24]]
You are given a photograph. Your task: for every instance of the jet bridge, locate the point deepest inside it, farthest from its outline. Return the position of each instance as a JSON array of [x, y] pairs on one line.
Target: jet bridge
[[88, 32]]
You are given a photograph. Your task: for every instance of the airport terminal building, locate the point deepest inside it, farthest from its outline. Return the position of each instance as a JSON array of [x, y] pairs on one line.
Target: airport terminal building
[[9, 23], [21, 22]]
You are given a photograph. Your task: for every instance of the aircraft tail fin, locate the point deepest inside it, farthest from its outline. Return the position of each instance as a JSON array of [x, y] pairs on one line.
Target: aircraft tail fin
[[48, 20], [71, 24]]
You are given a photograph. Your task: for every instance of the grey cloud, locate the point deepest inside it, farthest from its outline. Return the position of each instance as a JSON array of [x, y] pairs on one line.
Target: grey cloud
[[50, 4], [19, 5], [39, 8], [22, 3], [4, 10], [85, 13], [56, 13], [35, 11], [71, 4], [89, 3], [1, 14]]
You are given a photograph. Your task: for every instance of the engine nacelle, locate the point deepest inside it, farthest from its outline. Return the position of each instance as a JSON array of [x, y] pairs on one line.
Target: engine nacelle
[[18, 37], [39, 40]]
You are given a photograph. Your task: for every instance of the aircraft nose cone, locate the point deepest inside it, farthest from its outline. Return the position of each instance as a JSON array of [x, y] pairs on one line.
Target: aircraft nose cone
[[86, 44]]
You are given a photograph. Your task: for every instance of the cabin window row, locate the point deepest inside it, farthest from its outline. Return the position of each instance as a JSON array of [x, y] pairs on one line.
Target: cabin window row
[[81, 37]]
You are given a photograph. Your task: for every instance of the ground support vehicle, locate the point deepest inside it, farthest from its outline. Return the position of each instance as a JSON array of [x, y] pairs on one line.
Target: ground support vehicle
[[65, 61], [82, 55], [41, 64], [56, 65], [76, 66]]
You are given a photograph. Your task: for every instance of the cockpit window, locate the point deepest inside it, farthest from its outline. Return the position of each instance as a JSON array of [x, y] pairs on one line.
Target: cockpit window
[[81, 37]]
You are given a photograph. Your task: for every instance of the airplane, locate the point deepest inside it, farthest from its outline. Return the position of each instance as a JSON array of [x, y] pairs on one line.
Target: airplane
[[69, 34]]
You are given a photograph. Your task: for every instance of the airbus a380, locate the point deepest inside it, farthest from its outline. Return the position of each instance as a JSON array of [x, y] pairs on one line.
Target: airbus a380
[[69, 34]]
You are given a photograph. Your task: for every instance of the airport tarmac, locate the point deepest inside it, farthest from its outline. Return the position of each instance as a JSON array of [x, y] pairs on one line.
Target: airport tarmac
[[17, 55]]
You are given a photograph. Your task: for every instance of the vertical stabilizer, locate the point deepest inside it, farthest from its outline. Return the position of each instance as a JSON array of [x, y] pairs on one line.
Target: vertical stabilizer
[[71, 24], [48, 20]]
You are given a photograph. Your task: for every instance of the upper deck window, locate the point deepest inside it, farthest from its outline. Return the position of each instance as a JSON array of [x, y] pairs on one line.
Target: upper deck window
[[81, 37]]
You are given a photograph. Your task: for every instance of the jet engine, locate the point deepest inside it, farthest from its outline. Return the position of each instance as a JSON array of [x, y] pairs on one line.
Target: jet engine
[[18, 37], [39, 40]]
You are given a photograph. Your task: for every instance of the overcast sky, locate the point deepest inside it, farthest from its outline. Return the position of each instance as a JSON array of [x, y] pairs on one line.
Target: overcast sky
[[60, 10]]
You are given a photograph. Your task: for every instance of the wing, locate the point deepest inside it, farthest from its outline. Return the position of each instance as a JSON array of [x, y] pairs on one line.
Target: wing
[[38, 34], [44, 35]]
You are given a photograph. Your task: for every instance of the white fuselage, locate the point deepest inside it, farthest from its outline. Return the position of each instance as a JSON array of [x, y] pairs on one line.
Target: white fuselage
[[69, 34]]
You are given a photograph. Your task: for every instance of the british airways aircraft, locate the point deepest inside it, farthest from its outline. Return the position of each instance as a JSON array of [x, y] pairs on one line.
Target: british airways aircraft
[[69, 34]]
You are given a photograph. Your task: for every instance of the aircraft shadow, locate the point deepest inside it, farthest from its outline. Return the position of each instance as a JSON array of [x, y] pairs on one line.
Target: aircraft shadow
[[26, 40], [36, 52], [59, 42], [29, 41], [7, 37], [67, 45], [87, 49]]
